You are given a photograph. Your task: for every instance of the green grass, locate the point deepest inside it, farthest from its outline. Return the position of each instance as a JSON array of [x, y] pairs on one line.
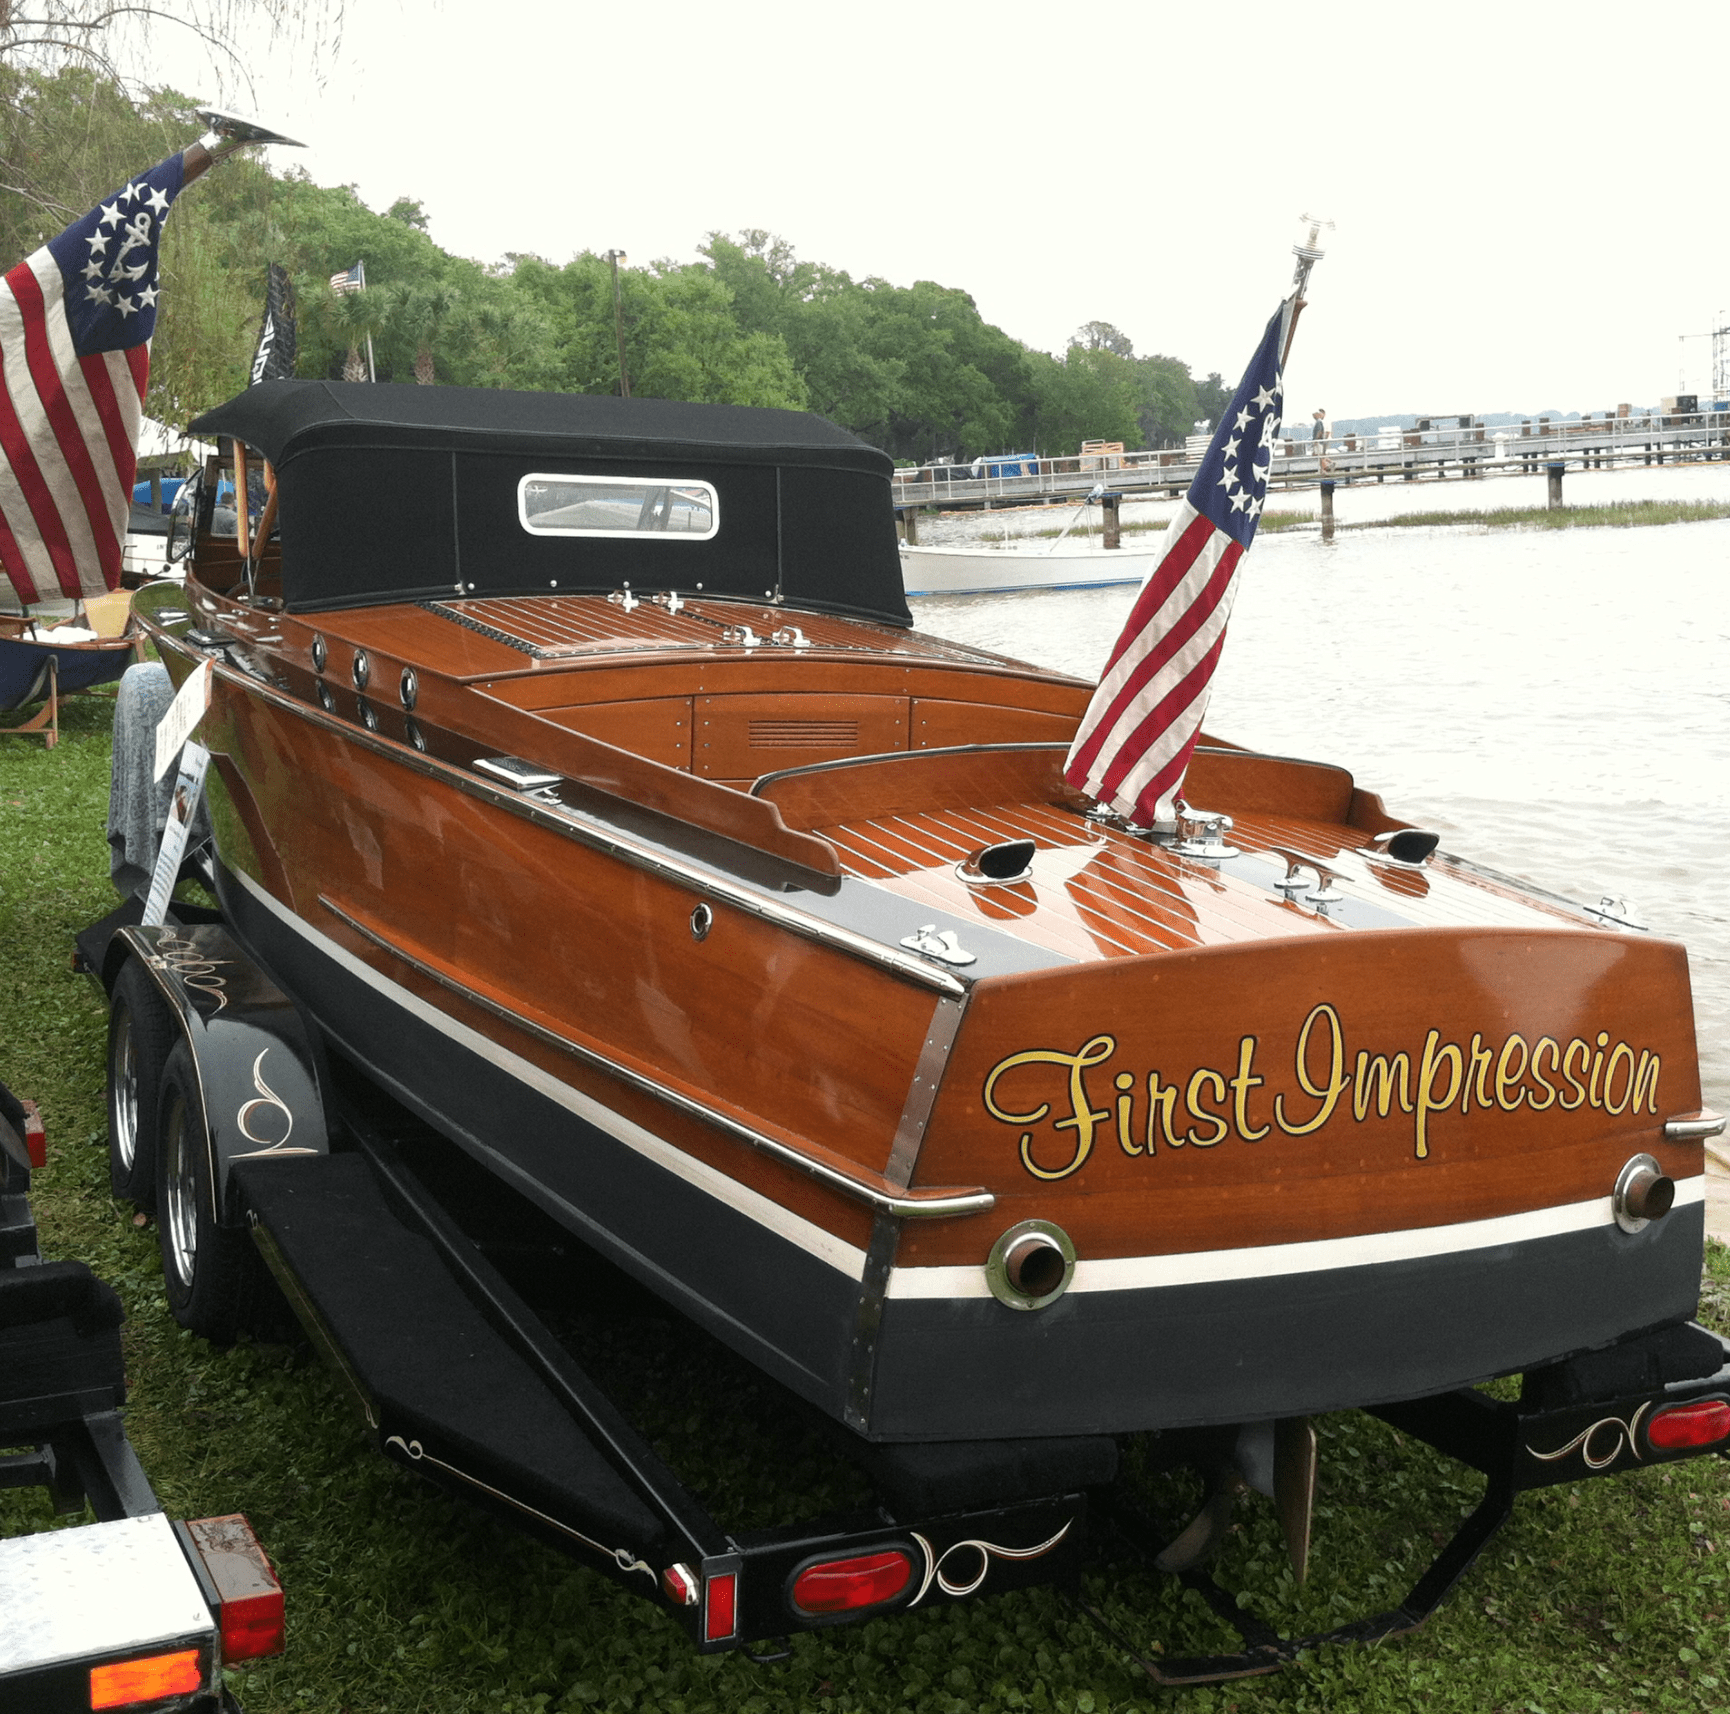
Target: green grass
[[1274, 521], [1618, 514], [1604, 1598]]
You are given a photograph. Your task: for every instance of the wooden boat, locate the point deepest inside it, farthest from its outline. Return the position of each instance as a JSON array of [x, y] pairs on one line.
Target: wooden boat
[[981, 570], [578, 773]]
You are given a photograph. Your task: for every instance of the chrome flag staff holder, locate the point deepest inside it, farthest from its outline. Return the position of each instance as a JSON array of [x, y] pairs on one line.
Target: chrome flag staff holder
[[227, 132]]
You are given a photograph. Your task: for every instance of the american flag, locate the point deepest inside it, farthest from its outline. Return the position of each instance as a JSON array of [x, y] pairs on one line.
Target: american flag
[[75, 325], [349, 280], [1135, 741]]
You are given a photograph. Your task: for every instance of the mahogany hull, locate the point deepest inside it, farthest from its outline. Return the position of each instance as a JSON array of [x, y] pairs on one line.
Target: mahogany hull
[[547, 1002]]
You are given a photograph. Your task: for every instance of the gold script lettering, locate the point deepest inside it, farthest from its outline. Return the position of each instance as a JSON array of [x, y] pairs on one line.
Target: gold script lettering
[[1083, 1116], [1431, 1063], [1338, 1078]]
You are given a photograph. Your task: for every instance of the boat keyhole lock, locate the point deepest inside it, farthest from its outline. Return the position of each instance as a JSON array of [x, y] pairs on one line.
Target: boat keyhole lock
[[1000, 865], [1644, 1193], [1031, 1265]]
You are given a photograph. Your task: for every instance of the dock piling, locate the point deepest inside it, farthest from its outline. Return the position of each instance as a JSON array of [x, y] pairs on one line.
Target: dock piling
[[1113, 528], [1555, 471], [1327, 489]]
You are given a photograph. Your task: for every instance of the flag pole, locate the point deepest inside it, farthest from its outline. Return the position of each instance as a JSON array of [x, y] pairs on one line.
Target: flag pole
[[1308, 253]]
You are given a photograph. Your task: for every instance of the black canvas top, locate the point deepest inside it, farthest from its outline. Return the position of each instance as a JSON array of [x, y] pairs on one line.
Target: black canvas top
[[392, 493]]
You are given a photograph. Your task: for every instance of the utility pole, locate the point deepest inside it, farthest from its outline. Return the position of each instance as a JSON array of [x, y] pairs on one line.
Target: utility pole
[[616, 257]]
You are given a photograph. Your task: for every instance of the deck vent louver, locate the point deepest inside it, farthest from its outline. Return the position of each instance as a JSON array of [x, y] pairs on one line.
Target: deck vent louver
[[804, 734], [1407, 845], [999, 865]]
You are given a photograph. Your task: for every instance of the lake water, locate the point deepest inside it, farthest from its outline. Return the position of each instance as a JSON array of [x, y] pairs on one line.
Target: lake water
[[1555, 703]]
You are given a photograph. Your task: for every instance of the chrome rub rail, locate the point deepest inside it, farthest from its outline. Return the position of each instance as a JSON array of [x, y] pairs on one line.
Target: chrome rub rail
[[904, 1204]]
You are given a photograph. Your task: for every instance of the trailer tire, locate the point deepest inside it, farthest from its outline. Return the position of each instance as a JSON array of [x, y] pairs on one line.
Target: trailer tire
[[141, 1033], [211, 1270]]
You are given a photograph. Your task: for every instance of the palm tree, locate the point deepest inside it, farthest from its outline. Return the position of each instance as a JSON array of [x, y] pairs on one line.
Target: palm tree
[[357, 316], [426, 312]]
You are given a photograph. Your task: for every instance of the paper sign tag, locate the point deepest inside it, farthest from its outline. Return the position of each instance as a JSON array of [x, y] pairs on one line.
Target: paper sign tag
[[188, 789], [183, 716]]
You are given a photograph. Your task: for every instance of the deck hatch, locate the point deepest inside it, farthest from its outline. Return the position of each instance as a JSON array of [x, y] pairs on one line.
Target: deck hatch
[[561, 627]]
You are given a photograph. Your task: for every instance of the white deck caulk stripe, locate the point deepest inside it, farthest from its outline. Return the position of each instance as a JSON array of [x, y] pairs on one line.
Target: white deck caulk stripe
[[1270, 1261]]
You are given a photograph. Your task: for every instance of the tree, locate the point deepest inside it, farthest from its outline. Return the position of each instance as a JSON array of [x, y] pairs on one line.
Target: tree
[[1089, 393], [423, 313], [409, 212], [1211, 398], [107, 37], [1102, 336]]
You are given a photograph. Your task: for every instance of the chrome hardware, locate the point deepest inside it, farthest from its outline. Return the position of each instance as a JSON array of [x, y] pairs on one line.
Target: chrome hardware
[[624, 598], [1318, 892], [791, 637], [230, 131], [702, 920], [320, 653], [1298, 870], [1409, 847], [1614, 910], [1031, 1265], [670, 601], [1325, 893], [1643, 1194], [416, 737], [934, 945], [1694, 1127], [1000, 865], [514, 771], [408, 688], [368, 716], [326, 697], [1201, 833], [171, 615], [361, 670], [741, 635]]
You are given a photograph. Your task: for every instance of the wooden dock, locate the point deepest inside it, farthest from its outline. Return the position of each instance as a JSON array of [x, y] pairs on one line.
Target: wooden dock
[[1408, 455]]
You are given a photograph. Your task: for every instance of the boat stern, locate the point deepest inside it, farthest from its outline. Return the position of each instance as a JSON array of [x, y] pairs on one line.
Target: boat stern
[[1273, 1179]]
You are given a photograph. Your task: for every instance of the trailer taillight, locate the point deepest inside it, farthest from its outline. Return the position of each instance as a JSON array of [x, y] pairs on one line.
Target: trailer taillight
[[123, 1683], [35, 1138], [843, 1585], [251, 1613], [720, 1606], [1677, 1427]]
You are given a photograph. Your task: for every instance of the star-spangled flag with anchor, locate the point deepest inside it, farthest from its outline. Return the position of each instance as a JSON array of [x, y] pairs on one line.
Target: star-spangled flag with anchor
[[76, 320], [1135, 741]]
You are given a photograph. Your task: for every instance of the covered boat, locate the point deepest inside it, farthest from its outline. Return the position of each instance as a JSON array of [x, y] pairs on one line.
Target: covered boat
[[578, 773]]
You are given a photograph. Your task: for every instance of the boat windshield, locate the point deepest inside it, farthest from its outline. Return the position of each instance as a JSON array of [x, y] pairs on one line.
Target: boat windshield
[[616, 506]]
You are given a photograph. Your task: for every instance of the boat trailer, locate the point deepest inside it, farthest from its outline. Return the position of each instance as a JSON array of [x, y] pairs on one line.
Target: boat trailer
[[460, 1378]]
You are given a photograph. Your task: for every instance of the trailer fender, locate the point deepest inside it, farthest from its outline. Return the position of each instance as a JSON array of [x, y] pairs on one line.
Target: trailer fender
[[254, 1058]]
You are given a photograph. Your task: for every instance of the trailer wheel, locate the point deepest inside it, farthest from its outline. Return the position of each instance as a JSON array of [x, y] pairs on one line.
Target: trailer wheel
[[209, 1268], [141, 1032]]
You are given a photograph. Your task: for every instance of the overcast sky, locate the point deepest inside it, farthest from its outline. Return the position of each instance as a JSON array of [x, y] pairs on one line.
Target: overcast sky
[[1528, 199]]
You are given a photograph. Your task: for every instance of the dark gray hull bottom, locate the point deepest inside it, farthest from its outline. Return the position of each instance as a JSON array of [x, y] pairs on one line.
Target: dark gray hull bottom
[[1096, 1362]]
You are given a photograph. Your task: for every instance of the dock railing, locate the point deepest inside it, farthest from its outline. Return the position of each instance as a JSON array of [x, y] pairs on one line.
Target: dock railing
[[1599, 442]]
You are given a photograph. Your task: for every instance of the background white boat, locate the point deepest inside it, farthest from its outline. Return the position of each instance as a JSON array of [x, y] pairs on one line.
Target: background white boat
[[979, 570]]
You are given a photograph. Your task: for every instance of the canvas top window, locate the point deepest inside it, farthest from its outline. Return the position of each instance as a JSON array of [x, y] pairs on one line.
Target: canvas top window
[[632, 506]]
